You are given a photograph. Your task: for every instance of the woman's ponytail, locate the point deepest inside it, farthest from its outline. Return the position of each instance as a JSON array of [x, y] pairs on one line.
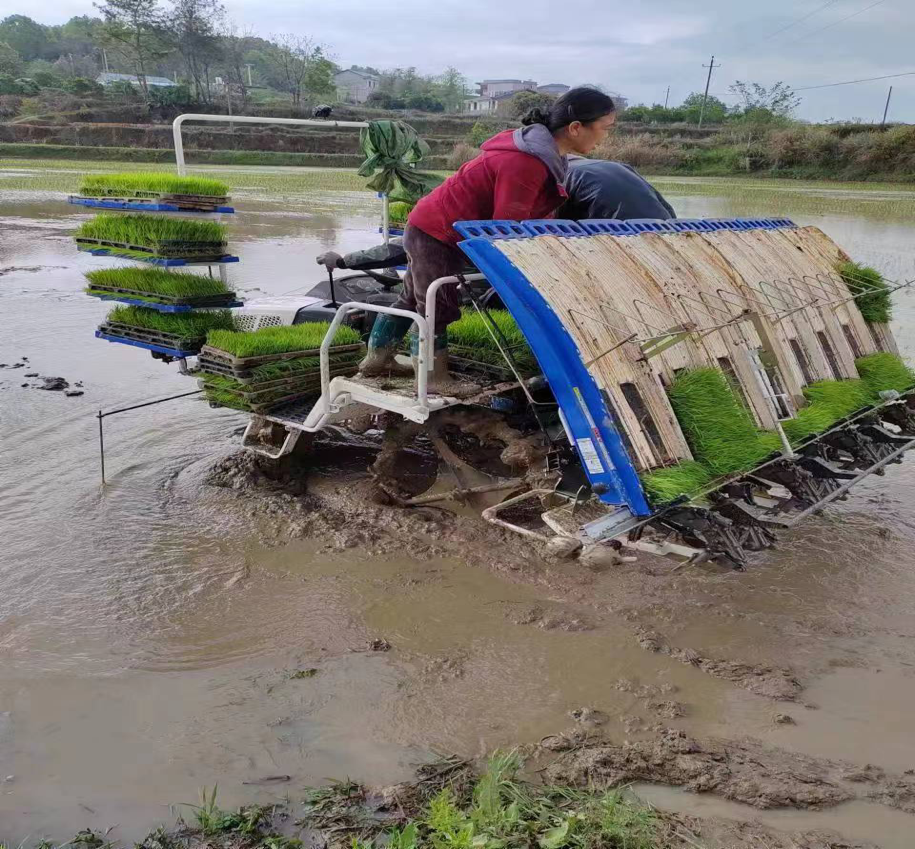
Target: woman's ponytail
[[536, 116]]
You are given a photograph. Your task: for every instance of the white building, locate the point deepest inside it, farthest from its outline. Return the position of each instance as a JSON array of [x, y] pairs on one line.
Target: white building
[[355, 86], [494, 93], [106, 78]]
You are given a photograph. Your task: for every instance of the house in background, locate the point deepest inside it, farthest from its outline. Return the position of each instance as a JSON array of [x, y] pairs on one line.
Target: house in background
[[355, 86], [553, 88], [493, 95], [106, 78]]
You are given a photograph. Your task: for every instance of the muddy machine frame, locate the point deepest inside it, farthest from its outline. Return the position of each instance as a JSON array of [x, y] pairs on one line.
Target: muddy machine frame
[[738, 515]]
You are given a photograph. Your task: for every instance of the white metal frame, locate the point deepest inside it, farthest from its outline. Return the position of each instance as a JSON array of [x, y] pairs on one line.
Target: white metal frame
[[179, 122], [342, 391]]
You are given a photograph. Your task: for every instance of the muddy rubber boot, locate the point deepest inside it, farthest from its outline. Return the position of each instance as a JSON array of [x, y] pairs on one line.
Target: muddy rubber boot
[[384, 340], [441, 382]]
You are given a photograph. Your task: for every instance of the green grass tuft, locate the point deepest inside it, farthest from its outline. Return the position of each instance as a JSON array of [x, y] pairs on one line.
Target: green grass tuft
[[719, 429], [152, 231], [470, 337], [884, 371], [279, 340], [125, 185], [876, 306], [185, 324], [156, 281]]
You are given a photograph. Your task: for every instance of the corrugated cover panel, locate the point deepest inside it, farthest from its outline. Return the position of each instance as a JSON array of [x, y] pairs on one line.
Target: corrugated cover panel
[[640, 291]]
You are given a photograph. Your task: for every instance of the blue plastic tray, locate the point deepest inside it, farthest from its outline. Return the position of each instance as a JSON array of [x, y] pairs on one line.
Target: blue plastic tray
[[136, 302], [149, 346], [100, 203], [159, 261]]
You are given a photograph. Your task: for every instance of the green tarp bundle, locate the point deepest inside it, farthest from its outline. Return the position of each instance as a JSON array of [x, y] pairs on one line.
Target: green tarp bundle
[[391, 149]]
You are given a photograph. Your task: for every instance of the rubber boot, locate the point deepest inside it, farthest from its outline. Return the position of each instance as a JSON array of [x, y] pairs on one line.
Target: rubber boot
[[384, 340], [440, 380]]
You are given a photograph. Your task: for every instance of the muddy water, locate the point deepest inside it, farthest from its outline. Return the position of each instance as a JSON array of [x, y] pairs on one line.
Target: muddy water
[[149, 630]]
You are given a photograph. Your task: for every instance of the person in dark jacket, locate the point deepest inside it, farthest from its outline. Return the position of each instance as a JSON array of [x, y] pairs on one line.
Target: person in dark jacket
[[519, 174], [598, 188]]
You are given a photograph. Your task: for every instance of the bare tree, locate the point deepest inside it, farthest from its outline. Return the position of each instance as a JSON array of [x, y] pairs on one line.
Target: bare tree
[[136, 29], [290, 59], [194, 26]]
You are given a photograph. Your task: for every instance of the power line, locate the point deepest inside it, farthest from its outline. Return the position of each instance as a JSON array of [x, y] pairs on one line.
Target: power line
[[835, 23], [826, 85], [852, 82], [796, 22]]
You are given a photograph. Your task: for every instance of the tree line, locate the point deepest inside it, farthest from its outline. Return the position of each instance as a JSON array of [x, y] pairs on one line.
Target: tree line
[[194, 43]]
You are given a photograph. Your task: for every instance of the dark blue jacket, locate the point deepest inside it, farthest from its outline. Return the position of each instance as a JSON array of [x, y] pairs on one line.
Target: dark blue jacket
[[599, 188]]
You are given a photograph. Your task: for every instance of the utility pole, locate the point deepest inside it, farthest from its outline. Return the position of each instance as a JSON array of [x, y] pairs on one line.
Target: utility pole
[[711, 67], [886, 108], [105, 59], [666, 97], [250, 84]]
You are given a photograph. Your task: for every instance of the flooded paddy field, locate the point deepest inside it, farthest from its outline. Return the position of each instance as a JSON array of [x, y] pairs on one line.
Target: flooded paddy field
[[151, 630]]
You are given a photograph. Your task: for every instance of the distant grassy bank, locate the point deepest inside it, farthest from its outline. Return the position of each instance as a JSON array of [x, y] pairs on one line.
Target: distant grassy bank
[[799, 152]]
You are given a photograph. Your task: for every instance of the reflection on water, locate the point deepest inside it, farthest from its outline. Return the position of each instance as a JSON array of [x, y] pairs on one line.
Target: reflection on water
[[148, 637]]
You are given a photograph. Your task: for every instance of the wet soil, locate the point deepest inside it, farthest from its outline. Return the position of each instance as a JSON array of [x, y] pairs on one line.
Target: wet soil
[[151, 630]]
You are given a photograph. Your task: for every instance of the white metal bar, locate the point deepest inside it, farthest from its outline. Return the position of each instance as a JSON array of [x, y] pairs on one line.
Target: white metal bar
[[422, 376], [244, 119], [431, 294]]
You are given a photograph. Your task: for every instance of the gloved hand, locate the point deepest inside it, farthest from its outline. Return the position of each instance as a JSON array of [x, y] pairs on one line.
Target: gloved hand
[[331, 260]]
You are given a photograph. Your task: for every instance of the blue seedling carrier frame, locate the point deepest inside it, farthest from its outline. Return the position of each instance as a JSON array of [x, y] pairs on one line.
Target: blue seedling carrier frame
[[591, 426], [134, 206]]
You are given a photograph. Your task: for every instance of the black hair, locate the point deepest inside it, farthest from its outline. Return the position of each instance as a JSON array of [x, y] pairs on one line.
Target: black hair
[[583, 104]]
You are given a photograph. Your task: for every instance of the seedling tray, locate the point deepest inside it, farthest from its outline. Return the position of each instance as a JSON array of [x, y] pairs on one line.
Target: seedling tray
[[248, 376], [239, 365], [251, 391], [462, 359], [161, 261], [167, 248], [152, 204], [153, 337], [165, 303], [138, 343]]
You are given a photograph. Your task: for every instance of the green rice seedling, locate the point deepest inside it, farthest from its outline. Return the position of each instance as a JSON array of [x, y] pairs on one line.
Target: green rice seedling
[[151, 183], [686, 478], [156, 232], [399, 212], [194, 325], [225, 399], [470, 336], [721, 434], [156, 282], [829, 402], [279, 340], [875, 306], [884, 371]]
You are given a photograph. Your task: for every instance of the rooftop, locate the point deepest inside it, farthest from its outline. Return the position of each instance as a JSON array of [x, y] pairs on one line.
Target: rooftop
[[110, 77]]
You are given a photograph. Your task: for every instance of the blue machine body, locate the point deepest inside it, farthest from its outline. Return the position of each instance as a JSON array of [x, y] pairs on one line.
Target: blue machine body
[[590, 424]]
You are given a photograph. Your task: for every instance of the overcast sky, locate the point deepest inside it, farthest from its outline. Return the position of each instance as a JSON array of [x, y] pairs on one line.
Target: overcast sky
[[635, 48]]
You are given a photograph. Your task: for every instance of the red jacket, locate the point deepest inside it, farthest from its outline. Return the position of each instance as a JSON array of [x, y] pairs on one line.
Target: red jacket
[[501, 183]]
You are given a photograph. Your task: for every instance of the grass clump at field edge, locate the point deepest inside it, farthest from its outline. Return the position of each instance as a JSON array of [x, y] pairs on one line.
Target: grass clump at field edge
[[139, 184], [470, 337], [153, 231], [279, 340], [187, 325], [155, 282], [877, 304], [504, 811]]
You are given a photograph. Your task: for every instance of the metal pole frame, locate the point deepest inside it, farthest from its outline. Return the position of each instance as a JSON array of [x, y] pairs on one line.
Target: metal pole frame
[[178, 123]]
